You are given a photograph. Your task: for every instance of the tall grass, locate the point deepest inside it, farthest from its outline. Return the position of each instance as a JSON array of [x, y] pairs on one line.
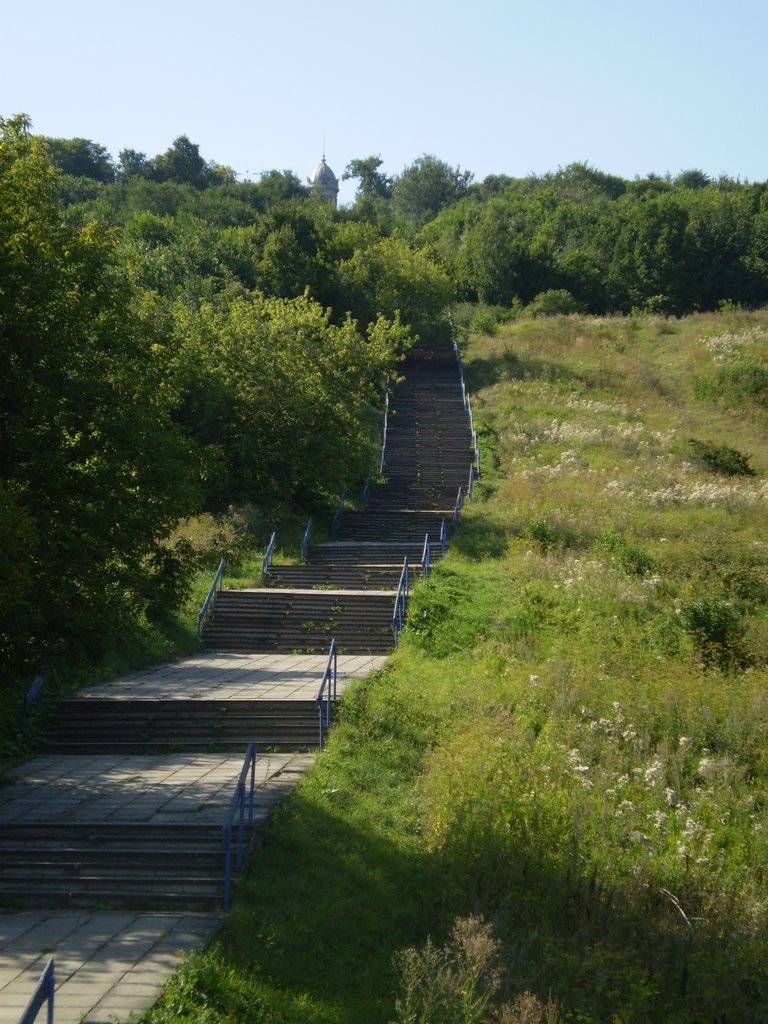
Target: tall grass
[[570, 744]]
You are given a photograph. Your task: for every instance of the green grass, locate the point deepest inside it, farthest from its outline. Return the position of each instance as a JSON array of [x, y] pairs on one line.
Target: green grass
[[571, 740]]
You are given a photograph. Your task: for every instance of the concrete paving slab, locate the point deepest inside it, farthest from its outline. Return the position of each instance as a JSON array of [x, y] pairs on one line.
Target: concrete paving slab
[[235, 677], [112, 964], [123, 960], [148, 793]]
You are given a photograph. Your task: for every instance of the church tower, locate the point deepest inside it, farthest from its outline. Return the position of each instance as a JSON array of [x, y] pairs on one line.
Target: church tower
[[324, 182]]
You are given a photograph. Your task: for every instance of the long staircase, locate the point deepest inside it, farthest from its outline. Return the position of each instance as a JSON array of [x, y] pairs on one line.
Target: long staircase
[[346, 589], [134, 851]]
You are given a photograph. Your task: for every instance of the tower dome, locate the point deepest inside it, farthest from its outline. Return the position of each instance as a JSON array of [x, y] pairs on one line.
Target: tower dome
[[324, 181]]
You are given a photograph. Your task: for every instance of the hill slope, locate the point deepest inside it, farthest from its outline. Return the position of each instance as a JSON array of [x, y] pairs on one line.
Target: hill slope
[[570, 742]]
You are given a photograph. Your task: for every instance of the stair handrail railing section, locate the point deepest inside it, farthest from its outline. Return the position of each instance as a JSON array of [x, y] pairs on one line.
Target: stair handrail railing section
[[426, 559], [401, 602], [367, 488], [237, 806], [304, 554], [443, 537], [384, 431], [44, 993], [477, 451], [471, 481], [210, 601], [32, 697], [266, 561], [459, 364], [338, 513], [458, 507], [326, 695], [471, 417]]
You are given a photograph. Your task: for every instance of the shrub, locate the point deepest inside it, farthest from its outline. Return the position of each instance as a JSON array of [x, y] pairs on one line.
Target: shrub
[[633, 559], [719, 458], [555, 302], [457, 983], [718, 631], [542, 531], [735, 384]]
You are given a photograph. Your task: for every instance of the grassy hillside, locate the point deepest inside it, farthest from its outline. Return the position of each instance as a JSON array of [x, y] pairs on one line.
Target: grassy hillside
[[561, 777]]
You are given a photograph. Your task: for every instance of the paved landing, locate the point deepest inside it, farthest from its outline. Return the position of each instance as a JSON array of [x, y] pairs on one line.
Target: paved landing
[[108, 965], [235, 676], [155, 789]]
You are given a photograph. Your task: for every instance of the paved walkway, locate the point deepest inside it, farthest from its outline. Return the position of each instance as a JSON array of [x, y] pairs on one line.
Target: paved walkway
[[108, 965], [156, 790], [111, 964], [236, 676]]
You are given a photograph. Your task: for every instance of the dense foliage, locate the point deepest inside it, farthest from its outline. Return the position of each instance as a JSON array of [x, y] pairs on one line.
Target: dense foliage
[[174, 343], [552, 803]]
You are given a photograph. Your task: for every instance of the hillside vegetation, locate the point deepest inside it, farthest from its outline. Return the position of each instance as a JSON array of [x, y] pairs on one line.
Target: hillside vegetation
[[193, 360], [551, 805]]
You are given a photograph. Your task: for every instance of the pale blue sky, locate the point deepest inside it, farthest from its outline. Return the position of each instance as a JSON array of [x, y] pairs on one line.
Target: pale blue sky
[[496, 87]]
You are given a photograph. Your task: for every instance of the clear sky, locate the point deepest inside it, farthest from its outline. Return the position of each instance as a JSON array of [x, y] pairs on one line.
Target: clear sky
[[495, 86]]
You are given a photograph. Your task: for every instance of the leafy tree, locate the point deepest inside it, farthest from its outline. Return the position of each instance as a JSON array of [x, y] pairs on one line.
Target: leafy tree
[[274, 393], [373, 184], [82, 159], [692, 179], [426, 187], [389, 278], [181, 163], [91, 466], [133, 165]]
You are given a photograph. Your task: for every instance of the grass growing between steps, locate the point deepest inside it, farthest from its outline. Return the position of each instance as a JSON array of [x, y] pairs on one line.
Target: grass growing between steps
[[571, 743]]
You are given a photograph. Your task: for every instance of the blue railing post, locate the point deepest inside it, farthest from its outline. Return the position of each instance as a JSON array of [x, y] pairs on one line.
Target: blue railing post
[[45, 991], [305, 542], [266, 561], [426, 559], [327, 691], [470, 482], [210, 602], [32, 697], [457, 508], [367, 488], [401, 602], [384, 432], [443, 537], [237, 804], [337, 514]]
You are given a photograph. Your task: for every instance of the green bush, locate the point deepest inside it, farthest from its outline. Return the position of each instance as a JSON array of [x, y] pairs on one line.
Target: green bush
[[633, 559], [555, 302], [719, 458], [734, 385]]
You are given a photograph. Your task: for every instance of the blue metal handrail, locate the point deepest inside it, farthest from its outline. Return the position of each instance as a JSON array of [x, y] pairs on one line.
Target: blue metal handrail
[[32, 697], [237, 805], [338, 512], [443, 537], [471, 481], [384, 432], [477, 451], [471, 418], [44, 993], [401, 602], [210, 602], [426, 559], [458, 507], [305, 542], [266, 561], [367, 488], [327, 691]]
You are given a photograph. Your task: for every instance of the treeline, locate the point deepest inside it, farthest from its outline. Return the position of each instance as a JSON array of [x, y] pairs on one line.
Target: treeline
[[660, 245], [172, 347], [176, 341]]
